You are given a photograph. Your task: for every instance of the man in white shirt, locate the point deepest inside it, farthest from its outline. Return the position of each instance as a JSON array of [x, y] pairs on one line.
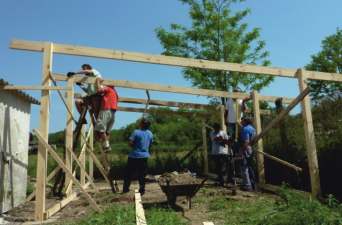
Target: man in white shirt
[[220, 153], [233, 113], [89, 89]]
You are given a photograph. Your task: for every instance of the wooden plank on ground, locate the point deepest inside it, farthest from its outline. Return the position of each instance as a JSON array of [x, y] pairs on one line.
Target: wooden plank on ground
[[170, 60], [68, 173], [58, 206], [44, 129], [309, 136], [139, 210], [208, 223]]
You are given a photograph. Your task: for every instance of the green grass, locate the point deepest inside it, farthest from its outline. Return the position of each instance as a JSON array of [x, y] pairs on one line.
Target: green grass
[[163, 216], [291, 209], [114, 215], [124, 214]]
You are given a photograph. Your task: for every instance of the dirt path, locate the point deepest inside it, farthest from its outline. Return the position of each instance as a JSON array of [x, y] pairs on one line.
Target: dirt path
[[154, 197]]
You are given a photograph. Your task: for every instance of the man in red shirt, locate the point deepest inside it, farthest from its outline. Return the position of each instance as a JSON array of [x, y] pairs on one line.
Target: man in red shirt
[[106, 118]]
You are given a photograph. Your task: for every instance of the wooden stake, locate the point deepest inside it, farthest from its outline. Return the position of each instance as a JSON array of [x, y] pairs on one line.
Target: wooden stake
[[58, 206], [68, 173], [223, 121], [69, 130], [90, 147], [257, 121], [44, 129], [205, 150], [309, 136], [82, 155]]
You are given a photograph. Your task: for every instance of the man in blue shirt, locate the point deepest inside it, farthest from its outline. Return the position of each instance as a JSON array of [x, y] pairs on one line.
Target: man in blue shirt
[[246, 152], [140, 140]]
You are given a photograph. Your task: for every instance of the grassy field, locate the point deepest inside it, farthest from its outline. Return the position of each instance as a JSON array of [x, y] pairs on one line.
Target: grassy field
[[124, 214], [291, 208]]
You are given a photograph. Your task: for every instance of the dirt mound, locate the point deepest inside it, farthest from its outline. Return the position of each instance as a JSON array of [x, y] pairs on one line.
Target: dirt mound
[[175, 178]]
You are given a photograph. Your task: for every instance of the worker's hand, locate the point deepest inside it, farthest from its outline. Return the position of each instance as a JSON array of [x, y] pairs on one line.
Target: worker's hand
[[70, 74]]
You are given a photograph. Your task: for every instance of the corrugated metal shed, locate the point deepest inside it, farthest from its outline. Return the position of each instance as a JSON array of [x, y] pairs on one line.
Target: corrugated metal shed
[[20, 93]]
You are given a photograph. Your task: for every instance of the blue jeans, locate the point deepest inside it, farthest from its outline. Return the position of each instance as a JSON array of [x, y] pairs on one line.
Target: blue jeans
[[231, 129], [247, 172]]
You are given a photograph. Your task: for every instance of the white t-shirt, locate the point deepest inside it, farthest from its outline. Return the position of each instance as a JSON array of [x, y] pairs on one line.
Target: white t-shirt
[[217, 147], [90, 88], [231, 108]]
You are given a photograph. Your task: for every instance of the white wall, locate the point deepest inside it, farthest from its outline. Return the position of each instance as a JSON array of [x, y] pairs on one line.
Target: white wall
[[14, 138]]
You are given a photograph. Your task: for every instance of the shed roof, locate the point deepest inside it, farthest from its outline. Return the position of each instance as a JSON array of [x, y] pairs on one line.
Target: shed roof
[[22, 94]]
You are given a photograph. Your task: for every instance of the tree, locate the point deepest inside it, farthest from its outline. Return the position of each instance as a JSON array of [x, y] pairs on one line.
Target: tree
[[329, 59], [217, 33]]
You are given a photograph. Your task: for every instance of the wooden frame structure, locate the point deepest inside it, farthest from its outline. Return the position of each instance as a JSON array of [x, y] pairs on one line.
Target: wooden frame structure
[[49, 49]]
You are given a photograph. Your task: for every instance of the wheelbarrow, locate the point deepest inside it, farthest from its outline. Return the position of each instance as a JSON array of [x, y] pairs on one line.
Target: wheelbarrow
[[172, 191]]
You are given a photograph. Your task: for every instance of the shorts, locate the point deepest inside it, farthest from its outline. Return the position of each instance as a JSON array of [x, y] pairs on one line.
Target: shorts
[[105, 121]]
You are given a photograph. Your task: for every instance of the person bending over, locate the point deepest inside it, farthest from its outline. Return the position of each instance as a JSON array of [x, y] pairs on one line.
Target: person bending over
[[89, 89], [140, 141]]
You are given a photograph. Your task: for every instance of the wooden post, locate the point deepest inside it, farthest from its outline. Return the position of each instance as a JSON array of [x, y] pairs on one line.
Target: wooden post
[[223, 122], [82, 156], [309, 136], [257, 123], [69, 130], [91, 148], [238, 118], [205, 150], [44, 129]]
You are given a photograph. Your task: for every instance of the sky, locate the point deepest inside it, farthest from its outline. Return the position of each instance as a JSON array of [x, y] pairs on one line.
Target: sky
[[293, 31]]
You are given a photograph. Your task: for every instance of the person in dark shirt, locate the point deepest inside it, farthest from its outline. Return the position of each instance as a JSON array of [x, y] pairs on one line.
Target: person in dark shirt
[[140, 140]]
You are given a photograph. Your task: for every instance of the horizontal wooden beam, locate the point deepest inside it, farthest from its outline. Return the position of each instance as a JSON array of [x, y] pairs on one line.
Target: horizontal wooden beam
[[169, 60], [165, 103], [181, 105], [160, 111], [33, 88], [168, 88]]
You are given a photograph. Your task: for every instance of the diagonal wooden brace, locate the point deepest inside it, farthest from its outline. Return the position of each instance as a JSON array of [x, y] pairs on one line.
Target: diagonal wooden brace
[[68, 173]]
